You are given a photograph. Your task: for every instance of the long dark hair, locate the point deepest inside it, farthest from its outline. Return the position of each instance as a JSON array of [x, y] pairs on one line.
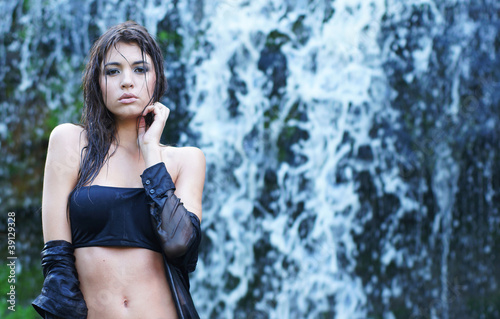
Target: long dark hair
[[97, 121]]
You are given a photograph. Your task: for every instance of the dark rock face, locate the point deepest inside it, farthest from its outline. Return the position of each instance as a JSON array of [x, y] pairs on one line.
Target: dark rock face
[[352, 149]]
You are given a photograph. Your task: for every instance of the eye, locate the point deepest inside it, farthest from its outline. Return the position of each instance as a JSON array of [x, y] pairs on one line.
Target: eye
[[141, 69], [112, 71]]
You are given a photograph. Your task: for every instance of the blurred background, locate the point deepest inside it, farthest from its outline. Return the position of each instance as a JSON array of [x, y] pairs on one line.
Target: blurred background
[[352, 147]]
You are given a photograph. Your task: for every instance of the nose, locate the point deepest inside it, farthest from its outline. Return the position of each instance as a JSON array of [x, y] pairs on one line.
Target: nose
[[127, 80]]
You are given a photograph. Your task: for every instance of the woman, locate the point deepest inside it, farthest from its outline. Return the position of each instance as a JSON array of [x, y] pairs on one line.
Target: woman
[[118, 241]]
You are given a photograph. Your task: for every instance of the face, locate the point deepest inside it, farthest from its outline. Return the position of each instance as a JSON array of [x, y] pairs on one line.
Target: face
[[127, 80]]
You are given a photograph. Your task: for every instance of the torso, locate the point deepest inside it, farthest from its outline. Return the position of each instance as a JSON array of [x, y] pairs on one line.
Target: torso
[[125, 282]]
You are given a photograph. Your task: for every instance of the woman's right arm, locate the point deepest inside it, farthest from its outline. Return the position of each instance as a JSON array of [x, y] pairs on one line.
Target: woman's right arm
[[61, 173], [60, 296]]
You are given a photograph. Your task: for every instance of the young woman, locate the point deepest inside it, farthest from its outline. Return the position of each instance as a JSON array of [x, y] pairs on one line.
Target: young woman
[[119, 242]]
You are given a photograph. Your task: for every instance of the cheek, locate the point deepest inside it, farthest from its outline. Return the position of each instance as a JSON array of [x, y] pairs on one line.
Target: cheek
[[103, 85], [151, 84]]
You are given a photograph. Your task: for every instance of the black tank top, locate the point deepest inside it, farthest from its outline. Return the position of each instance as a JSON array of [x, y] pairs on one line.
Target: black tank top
[[111, 216]]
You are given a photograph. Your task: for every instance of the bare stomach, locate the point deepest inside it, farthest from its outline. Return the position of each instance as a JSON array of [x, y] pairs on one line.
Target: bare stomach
[[122, 283]]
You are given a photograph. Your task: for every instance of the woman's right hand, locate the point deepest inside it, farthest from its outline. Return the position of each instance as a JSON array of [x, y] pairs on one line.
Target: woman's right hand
[[149, 139]]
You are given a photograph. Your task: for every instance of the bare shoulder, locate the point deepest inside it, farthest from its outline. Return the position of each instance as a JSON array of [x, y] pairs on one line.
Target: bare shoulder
[[65, 144], [182, 158], [67, 133], [191, 155]]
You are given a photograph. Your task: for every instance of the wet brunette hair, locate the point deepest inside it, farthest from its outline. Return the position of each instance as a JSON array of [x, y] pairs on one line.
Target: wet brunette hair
[[98, 122]]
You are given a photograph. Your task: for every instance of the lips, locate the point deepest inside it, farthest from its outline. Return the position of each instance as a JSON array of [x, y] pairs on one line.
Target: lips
[[127, 98]]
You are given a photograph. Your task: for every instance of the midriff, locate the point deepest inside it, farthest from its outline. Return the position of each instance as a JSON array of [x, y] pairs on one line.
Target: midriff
[[123, 282]]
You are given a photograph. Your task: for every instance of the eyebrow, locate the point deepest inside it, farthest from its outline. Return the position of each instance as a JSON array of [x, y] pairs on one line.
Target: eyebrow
[[118, 63]]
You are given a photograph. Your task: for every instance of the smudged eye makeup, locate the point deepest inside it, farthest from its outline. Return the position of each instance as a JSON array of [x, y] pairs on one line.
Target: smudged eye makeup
[[142, 67], [136, 70], [111, 71]]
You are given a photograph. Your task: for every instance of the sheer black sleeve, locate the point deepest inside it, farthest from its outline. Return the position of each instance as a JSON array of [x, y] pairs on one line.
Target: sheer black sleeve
[[179, 233], [178, 229]]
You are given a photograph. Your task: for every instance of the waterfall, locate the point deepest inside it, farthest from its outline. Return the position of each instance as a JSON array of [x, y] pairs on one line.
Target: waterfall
[[351, 145], [276, 124]]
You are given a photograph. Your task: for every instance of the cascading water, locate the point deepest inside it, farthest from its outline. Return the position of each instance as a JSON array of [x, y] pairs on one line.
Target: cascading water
[[351, 145]]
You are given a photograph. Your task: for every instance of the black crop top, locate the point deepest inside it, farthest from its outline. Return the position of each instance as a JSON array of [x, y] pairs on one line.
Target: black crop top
[[111, 216]]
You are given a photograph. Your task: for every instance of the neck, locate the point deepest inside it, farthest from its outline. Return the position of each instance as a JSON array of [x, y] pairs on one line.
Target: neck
[[126, 133]]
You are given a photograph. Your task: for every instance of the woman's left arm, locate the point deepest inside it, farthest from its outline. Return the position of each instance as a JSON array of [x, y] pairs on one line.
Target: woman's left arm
[[191, 179], [177, 224]]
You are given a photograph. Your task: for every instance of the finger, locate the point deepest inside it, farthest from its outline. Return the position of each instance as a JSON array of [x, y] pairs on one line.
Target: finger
[[155, 107], [148, 109], [142, 125], [161, 110]]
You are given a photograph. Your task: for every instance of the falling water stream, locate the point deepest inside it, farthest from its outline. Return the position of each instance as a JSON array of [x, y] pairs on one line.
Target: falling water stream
[[351, 145]]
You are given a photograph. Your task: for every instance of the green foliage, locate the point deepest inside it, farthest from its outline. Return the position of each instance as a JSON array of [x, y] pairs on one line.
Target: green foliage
[[22, 312], [168, 40], [301, 31], [276, 39], [291, 133], [26, 5], [51, 121], [27, 286]]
